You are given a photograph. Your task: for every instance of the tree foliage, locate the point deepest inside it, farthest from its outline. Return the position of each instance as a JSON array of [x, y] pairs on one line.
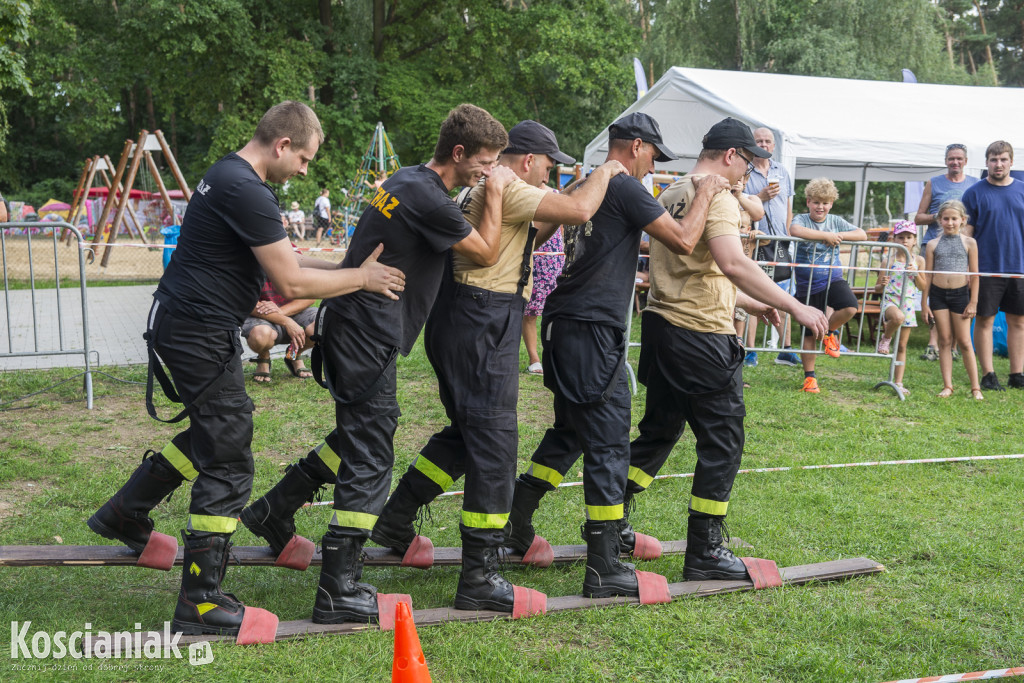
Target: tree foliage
[[78, 78]]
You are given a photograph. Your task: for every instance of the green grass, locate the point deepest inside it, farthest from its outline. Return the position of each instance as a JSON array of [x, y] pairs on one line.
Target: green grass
[[950, 536]]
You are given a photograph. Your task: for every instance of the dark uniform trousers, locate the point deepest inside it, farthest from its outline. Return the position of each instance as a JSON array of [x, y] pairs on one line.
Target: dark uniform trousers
[[361, 447], [584, 369], [472, 341], [215, 449], [692, 378]]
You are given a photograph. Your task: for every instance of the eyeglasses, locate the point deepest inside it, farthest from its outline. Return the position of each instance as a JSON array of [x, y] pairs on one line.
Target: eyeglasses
[[956, 145], [750, 164]]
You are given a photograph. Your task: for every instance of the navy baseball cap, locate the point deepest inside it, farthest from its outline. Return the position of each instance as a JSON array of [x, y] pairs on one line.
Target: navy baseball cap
[[640, 125], [731, 133], [530, 137]]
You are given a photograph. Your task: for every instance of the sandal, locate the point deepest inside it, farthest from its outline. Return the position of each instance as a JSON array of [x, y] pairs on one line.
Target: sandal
[[300, 372], [903, 389], [946, 392], [261, 376], [535, 369], [978, 396]]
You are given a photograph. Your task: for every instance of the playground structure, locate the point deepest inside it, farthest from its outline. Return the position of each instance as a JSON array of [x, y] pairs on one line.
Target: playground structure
[[378, 163], [119, 190]]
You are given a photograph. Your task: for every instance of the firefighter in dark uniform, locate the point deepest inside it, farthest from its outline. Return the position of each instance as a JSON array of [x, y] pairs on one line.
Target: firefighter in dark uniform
[[690, 357], [583, 332], [472, 341], [231, 241], [360, 339]]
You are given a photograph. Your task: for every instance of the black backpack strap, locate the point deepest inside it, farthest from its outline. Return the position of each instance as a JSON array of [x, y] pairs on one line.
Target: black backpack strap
[[156, 369], [324, 378], [527, 266]]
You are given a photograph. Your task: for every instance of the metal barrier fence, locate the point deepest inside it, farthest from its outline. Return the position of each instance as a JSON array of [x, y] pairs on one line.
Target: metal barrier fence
[[858, 260], [38, 307]]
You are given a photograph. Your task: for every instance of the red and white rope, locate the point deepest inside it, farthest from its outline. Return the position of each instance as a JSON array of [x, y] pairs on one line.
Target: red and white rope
[[762, 470], [973, 676]]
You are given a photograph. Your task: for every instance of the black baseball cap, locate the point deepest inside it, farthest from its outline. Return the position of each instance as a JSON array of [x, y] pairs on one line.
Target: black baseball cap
[[731, 133], [530, 137], [640, 125]]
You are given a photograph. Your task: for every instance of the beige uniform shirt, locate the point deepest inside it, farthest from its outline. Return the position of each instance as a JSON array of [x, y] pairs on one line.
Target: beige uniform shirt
[[519, 202], [691, 291]]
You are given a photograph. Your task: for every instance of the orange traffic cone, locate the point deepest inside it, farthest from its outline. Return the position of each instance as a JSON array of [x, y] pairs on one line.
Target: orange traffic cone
[[409, 665]]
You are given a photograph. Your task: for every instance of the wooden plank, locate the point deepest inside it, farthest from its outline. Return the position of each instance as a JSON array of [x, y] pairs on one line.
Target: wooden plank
[[260, 556], [794, 576]]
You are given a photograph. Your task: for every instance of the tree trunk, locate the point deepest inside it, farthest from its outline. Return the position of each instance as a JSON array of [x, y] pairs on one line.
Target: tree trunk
[[988, 48], [327, 22], [739, 34], [949, 49], [378, 28], [150, 111]]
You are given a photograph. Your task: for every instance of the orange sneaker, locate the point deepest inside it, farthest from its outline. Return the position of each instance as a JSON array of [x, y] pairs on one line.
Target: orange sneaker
[[831, 343], [811, 385]]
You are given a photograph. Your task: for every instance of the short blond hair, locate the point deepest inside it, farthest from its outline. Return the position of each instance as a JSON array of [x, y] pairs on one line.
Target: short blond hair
[[821, 188], [290, 119]]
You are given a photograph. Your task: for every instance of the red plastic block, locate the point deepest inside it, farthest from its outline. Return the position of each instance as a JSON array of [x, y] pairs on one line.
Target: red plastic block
[[297, 554], [540, 553], [653, 588], [159, 552], [386, 604], [258, 626], [764, 573], [528, 602], [647, 547], [420, 553]]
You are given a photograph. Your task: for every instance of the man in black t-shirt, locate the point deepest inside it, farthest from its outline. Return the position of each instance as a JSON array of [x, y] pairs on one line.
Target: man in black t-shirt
[[360, 339], [231, 241], [583, 332]]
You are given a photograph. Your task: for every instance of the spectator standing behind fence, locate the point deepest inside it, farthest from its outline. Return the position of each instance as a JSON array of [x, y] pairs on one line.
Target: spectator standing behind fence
[[547, 266], [996, 220], [322, 214], [297, 220], [897, 306], [770, 182], [937, 190], [952, 296], [3, 209], [823, 286]]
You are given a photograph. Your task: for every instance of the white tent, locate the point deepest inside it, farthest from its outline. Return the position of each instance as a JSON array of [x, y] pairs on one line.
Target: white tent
[[839, 128]]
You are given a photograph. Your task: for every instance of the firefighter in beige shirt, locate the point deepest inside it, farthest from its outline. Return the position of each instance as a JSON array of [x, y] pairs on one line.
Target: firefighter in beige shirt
[[472, 341], [690, 357]]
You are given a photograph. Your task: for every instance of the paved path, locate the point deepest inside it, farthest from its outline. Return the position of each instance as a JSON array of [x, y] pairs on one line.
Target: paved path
[[117, 319]]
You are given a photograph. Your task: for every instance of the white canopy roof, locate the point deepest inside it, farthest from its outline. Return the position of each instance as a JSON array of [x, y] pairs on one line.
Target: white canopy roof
[[839, 128]]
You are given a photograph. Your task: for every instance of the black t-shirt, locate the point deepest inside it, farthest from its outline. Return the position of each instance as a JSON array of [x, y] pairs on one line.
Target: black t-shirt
[[214, 277], [597, 281], [418, 222]]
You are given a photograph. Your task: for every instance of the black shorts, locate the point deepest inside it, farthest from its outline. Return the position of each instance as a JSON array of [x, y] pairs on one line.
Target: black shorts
[[954, 300], [1000, 294], [838, 295], [320, 222]]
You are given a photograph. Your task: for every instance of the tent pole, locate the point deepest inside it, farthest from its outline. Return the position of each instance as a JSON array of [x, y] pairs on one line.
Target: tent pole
[[860, 196]]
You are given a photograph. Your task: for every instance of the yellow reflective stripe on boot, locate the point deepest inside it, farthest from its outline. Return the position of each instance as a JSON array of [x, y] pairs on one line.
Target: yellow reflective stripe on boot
[[604, 513], [553, 477], [639, 477], [179, 461], [328, 457], [219, 525], [354, 520], [432, 472], [483, 520], [709, 507]]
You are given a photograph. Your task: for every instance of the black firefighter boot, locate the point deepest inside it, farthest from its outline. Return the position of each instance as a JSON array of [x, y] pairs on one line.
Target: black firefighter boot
[[605, 574], [340, 597], [706, 555], [272, 517], [519, 532], [202, 606], [481, 587], [395, 527], [125, 517], [627, 537]]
